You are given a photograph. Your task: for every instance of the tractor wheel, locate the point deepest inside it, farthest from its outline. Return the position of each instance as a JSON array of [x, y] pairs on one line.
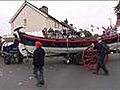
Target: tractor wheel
[[7, 59], [89, 58], [20, 58]]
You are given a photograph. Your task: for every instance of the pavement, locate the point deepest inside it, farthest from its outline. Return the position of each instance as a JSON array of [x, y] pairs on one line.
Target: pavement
[[59, 76]]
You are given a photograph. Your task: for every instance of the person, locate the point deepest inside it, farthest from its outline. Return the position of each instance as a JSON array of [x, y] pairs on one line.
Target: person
[[16, 40], [99, 46], [12, 47], [38, 63]]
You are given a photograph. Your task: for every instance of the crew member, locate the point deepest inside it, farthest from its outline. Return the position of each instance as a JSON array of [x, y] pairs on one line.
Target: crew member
[[101, 56], [38, 63]]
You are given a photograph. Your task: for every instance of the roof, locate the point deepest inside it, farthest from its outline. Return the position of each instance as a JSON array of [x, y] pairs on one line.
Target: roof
[[36, 9]]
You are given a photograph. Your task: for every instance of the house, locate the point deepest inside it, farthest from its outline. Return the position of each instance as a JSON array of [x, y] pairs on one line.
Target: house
[[34, 19]]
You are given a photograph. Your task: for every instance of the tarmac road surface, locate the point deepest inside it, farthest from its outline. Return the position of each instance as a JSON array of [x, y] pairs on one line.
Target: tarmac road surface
[[59, 76]]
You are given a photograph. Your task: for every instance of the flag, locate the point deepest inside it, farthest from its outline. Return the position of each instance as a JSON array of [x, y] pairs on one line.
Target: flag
[[98, 28], [111, 27], [92, 26], [104, 28], [91, 29]]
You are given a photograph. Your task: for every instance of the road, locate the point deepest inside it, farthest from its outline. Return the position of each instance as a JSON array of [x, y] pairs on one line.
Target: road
[[59, 76]]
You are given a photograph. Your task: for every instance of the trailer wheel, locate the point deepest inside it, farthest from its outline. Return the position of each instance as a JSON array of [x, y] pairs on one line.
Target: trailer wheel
[[78, 59], [73, 58], [69, 58]]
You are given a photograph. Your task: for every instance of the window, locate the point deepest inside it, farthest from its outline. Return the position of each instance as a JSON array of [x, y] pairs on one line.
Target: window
[[56, 25], [25, 22]]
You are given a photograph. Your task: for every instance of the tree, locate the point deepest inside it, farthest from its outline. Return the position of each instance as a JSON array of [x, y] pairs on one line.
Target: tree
[[66, 21], [117, 8]]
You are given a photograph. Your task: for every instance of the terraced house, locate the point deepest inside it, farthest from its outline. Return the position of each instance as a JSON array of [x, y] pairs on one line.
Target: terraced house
[[34, 19]]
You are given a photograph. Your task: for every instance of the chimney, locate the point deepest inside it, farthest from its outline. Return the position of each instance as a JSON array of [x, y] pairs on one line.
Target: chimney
[[44, 9]]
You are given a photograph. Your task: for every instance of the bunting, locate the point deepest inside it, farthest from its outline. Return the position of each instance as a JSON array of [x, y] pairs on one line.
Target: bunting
[[91, 29], [98, 28], [92, 26], [104, 28]]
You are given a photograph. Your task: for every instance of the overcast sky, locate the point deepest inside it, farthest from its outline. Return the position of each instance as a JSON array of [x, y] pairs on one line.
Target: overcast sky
[[81, 14]]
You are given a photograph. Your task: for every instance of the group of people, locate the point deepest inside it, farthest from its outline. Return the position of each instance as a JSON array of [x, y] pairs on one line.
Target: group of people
[[39, 55], [64, 33]]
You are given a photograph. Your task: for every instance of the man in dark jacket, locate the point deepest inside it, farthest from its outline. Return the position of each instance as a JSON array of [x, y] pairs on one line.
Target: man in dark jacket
[[38, 63], [101, 56]]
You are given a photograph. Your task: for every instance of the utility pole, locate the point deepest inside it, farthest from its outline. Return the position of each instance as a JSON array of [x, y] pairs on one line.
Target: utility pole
[[110, 21]]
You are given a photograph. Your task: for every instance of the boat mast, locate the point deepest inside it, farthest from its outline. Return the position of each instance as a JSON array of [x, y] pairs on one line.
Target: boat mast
[[68, 61]]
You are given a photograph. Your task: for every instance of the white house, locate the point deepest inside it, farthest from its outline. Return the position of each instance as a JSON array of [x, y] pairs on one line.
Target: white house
[[34, 19]]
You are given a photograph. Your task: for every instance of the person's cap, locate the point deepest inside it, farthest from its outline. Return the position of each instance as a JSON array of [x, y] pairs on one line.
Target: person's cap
[[38, 44]]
